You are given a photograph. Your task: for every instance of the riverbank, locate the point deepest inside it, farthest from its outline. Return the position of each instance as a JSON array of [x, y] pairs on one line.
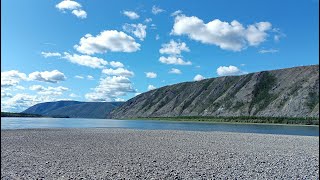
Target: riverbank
[[160, 154], [310, 121]]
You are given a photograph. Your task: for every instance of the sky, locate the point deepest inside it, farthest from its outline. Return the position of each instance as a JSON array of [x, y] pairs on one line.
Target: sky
[[114, 50]]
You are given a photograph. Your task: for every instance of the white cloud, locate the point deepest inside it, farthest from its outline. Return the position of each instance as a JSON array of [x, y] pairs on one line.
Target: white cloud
[[136, 94], [229, 71], [263, 51], [131, 14], [151, 75], [174, 60], [118, 72], [174, 48], [5, 94], [47, 76], [153, 26], [50, 54], [49, 91], [147, 20], [138, 30], [228, 36], [85, 60], [73, 95], [12, 78], [175, 71], [79, 77], [198, 77], [89, 77], [177, 12], [109, 40], [80, 13], [156, 10], [116, 64], [68, 5], [73, 6], [110, 88], [151, 87], [157, 37], [119, 100]]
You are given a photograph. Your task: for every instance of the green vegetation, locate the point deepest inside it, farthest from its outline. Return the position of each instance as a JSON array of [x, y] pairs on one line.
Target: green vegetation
[[8, 114], [242, 119], [261, 97]]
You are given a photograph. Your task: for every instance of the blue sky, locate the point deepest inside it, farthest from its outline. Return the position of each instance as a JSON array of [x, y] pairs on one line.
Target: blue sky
[[113, 50]]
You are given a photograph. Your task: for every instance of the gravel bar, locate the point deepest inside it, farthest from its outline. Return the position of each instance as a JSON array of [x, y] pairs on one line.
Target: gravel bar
[[107, 153]]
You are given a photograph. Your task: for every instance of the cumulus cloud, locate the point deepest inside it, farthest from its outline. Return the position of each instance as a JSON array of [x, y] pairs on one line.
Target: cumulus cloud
[[174, 60], [118, 72], [175, 71], [109, 40], [54, 76], [263, 51], [80, 13], [49, 91], [5, 94], [138, 30], [73, 6], [151, 75], [116, 64], [12, 78], [229, 71], [147, 20], [174, 48], [85, 60], [156, 10], [198, 77], [151, 87], [131, 14], [177, 12], [228, 36], [50, 54], [73, 95], [110, 88]]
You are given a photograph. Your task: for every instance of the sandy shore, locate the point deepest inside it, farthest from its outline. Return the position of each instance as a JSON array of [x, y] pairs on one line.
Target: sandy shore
[[145, 154]]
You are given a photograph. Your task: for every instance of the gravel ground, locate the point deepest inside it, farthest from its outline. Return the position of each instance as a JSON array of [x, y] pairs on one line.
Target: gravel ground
[[155, 154]]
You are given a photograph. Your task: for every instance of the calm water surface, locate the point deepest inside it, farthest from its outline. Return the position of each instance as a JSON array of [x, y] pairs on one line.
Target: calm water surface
[[25, 123]]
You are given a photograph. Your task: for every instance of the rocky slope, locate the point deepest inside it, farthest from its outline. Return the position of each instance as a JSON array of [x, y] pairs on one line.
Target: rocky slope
[[292, 92], [73, 109]]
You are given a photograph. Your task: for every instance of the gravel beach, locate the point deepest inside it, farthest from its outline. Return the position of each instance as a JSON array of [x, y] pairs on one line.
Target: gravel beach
[[105, 153]]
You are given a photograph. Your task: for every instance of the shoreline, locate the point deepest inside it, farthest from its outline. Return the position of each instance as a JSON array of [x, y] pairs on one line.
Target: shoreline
[[110, 153]]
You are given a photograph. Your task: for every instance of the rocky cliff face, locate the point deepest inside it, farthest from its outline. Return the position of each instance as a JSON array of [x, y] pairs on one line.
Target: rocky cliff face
[[292, 92]]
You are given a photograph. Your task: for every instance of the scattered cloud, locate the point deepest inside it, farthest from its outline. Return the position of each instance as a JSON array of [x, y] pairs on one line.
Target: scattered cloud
[[157, 37], [228, 36], [151, 75], [109, 40], [198, 77], [174, 60], [12, 78], [131, 14], [73, 6], [147, 20], [80, 13], [73, 95], [49, 91], [5, 94], [156, 10], [176, 13], [174, 48], [151, 87], [89, 77], [85, 60], [79, 77], [50, 54], [175, 71], [110, 88], [153, 26], [118, 72], [138, 30], [54, 76], [264, 51], [116, 64], [229, 71], [278, 34]]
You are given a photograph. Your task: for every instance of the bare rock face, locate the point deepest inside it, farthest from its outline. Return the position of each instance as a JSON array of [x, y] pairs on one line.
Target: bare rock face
[[292, 92]]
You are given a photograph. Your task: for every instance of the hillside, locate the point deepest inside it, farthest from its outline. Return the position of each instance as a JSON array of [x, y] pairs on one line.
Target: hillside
[[73, 109], [292, 92]]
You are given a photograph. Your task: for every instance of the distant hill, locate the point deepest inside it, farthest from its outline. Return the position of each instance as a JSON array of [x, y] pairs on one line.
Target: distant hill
[[291, 92], [9, 114], [73, 109]]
